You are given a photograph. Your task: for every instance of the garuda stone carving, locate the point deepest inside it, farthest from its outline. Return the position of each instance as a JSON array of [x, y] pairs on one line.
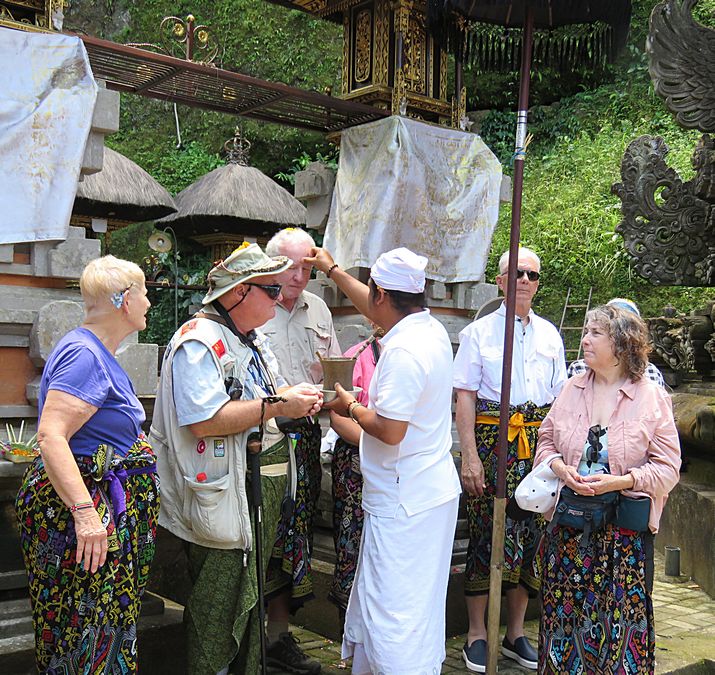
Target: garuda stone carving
[[681, 56], [669, 225]]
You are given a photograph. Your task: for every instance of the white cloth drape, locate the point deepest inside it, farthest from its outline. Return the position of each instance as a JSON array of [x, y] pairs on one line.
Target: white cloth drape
[[47, 97], [405, 183]]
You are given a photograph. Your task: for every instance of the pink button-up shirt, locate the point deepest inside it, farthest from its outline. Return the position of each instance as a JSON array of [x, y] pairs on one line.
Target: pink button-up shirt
[[642, 438], [363, 371]]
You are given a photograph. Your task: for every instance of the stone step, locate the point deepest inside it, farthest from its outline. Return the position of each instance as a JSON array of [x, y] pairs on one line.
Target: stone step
[[161, 637], [15, 618]]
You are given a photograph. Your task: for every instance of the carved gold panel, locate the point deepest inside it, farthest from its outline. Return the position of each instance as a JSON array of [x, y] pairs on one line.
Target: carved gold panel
[[32, 15], [373, 33], [363, 45], [381, 49]]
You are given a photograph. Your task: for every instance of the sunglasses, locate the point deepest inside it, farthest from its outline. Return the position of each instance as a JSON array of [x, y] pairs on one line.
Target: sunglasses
[[594, 443], [271, 290], [530, 274]]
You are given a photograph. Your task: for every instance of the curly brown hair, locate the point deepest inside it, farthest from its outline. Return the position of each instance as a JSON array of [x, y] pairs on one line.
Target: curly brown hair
[[630, 336]]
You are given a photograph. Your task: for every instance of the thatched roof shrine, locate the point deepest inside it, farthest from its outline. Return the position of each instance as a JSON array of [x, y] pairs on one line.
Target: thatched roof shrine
[[232, 200], [122, 191]]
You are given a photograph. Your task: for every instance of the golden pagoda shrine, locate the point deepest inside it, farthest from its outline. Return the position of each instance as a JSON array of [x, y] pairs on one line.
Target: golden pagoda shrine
[[390, 60]]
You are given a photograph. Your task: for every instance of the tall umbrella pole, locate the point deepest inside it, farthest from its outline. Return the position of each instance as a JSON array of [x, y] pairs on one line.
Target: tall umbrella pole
[[499, 518]]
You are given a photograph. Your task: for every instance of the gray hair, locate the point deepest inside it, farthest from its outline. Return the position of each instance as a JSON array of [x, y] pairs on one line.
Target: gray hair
[[288, 236], [523, 251]]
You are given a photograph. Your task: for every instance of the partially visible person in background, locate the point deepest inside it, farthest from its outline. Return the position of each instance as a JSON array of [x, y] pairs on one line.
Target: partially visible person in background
[[300, 332], [348, 514], [88, 504], [611, 430], [651, 371]]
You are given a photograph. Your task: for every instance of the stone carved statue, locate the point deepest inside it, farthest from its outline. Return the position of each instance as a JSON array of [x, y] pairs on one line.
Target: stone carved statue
[[668, 228], [669, 225], [681, 55]]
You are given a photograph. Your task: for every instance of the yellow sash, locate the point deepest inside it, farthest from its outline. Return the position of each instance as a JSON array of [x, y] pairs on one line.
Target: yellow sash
[[516, 428]]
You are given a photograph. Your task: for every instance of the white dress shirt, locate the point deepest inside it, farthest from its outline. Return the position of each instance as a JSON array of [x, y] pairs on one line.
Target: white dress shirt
[[538, 365]]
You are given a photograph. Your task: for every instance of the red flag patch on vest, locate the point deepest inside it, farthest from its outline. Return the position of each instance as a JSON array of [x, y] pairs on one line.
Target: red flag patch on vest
[[219, 348]]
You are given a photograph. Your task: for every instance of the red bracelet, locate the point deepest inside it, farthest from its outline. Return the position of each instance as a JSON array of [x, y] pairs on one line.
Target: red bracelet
[[79, 506], [330, 270]]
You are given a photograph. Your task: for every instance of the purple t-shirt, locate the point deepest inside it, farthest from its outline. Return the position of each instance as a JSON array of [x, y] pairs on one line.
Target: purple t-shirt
[[80, 365]]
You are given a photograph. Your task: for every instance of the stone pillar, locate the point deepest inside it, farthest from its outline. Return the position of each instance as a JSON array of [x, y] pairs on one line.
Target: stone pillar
[[314, 186]]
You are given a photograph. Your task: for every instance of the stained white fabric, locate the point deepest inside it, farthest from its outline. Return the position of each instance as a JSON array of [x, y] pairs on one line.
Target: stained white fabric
[[538, 365], [47, 97], [396, 611], [400, 270], [412, 383], [406, 183]]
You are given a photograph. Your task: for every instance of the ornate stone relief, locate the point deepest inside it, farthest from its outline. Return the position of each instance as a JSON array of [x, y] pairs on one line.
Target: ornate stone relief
[[668, 229]]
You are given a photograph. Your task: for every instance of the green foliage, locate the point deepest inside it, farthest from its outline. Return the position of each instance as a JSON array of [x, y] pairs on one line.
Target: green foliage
[[301, 162], [175, 168], [569, 217], [192, 270]]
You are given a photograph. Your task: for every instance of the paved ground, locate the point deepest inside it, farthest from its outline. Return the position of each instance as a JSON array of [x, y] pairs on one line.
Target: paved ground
[[684, 621]]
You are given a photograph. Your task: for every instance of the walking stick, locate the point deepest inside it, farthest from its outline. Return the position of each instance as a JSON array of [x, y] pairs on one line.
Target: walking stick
[[253, 449]]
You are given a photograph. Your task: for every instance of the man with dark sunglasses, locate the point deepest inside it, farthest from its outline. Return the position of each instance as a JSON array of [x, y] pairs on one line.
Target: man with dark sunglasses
[[219, 382], [538, 373]]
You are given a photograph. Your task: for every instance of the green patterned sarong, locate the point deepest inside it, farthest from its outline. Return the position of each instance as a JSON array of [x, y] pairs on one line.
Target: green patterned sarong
[[225, 593]]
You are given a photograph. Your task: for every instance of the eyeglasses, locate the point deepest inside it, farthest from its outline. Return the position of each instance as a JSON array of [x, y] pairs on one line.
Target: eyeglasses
[[271, 290], [530, 274], [594, 443]]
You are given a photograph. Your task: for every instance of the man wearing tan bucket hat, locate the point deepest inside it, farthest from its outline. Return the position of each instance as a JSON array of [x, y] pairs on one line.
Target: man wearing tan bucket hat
[[217, 385]]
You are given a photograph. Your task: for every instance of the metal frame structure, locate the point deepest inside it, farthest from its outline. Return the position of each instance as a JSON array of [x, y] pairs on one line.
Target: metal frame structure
[[138, 71]]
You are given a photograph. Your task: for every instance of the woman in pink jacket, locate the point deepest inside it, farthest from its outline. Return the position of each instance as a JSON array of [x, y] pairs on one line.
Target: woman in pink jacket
[[610, 431]]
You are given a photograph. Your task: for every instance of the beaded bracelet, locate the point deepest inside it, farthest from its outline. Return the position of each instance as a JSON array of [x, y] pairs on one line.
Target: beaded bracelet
[[330, 270], [80, 506]]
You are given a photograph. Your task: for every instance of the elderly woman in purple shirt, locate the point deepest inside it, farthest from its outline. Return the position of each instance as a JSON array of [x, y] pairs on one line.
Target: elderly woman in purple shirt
[[88, 505]]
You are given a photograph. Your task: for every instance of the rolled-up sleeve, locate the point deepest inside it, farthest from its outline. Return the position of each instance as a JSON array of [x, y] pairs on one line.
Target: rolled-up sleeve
[[199, 390], [468, 361]]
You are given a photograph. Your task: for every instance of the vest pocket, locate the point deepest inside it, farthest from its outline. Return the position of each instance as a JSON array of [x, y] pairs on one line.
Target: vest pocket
[[213, 510]]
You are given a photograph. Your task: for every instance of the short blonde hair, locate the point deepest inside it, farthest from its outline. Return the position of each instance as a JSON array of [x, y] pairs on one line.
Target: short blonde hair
[[106, 275], [523, 251]]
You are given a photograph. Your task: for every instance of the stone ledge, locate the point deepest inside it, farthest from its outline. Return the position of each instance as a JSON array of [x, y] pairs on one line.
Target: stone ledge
[[694, 535]]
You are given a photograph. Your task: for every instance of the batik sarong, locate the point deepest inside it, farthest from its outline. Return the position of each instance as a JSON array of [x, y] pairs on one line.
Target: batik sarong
[[597, 612], [348, 518], [87, 623], [521, 537], [221, 617], [290, 564]]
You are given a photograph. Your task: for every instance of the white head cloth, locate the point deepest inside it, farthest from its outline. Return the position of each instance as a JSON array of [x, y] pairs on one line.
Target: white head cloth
[[400, 270]]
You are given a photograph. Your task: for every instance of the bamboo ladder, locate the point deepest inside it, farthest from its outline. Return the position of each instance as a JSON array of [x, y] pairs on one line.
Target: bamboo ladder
[[581, 328]]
